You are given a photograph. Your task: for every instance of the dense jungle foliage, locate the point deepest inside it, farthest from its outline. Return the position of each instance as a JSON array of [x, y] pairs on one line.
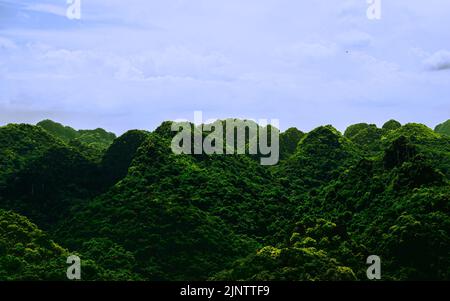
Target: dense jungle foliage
[[131, 209]]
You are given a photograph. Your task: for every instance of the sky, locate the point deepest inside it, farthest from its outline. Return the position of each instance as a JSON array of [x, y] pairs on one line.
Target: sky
[[136, 63]]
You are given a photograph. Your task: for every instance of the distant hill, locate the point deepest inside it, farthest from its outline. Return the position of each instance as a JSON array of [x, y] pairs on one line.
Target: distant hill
[[19, 143], [117, 158], [367, 136], [40, 175], [98, 138], [288, 142], [443, 128], [391, 125], [135, 210]]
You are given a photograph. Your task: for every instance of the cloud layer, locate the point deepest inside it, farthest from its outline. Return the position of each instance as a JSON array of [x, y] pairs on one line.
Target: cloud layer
[[134, 64], [438, 61]]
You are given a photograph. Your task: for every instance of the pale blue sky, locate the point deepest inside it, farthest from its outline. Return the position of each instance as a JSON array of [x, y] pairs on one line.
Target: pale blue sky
[[133, 64]]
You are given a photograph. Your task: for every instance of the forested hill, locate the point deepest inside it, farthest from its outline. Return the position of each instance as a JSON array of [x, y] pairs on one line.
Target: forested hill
[[134, 210], [443, 128], [90, 141]]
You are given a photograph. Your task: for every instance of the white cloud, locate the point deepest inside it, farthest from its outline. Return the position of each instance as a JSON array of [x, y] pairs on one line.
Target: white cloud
[[148, 59], [7, 44], [355, 39], [167, 62], [58, 10], [438, 61], [302, 52]]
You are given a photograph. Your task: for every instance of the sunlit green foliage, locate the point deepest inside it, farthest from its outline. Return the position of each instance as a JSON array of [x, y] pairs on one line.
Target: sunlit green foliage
[[134, 210], [443, 128], [97, 139]]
